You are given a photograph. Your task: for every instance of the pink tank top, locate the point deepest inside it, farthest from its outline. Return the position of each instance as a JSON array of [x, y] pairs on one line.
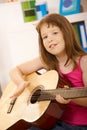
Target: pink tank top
[[75, 114]]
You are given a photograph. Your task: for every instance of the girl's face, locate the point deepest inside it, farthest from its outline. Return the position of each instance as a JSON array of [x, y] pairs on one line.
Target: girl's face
[[53, 40]]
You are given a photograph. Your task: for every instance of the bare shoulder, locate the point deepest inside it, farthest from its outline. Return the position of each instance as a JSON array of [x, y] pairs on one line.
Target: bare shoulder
[[84, 62], [84, 59], [84, 69]]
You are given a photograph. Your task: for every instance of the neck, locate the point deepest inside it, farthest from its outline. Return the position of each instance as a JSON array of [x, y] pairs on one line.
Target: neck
[[62, 58]]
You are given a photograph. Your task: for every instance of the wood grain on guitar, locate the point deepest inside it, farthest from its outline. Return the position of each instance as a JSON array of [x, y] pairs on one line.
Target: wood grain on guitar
[[36, 105]]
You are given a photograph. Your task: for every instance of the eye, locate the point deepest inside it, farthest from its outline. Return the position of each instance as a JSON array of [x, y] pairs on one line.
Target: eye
[[55, 33], [44, 37]]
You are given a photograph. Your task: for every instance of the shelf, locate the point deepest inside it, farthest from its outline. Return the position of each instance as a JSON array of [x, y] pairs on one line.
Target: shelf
[[77, 17]]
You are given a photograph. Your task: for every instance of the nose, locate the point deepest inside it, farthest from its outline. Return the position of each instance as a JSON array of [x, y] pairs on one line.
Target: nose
[[50, 39]]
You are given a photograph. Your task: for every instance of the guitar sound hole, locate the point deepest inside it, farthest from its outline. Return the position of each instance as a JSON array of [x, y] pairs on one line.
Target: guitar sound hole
[[35, 96]]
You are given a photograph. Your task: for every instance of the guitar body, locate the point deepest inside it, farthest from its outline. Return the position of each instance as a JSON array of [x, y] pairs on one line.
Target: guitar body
[[45, 122], [43, 114]]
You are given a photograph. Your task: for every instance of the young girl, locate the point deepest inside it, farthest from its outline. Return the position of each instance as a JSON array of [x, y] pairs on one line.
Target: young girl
[[59, 50]]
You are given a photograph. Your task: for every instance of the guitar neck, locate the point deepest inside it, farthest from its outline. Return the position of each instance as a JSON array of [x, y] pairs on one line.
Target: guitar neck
[[67, 93]]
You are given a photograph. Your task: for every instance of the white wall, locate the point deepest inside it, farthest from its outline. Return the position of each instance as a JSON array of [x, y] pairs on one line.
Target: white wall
[[18, 40], [5, 58]]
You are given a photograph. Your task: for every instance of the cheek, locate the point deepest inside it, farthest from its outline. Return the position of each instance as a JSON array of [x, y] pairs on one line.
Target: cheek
[[45, 45], [63, 45], [62, 42]]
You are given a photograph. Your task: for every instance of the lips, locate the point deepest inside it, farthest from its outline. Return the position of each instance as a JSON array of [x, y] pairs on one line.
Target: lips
[[52, 45]]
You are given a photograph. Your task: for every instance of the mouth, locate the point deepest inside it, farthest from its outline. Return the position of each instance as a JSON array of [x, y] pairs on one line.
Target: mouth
[[52, 46]]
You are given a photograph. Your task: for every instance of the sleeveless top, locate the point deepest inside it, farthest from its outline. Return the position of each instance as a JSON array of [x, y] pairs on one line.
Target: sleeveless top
[[75, 114]]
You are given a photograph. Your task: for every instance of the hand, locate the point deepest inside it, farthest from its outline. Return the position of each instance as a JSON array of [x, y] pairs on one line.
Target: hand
[[20, 89], [61, 99]]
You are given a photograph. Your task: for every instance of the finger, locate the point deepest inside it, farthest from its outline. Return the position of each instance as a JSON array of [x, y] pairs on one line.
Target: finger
[[13, 97], [66, 86], [62, 100], [59, 98], [17, 93]]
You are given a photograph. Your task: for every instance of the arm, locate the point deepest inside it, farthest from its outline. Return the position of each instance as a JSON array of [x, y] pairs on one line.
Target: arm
[[83, 101], [79, 101], [19, 71]]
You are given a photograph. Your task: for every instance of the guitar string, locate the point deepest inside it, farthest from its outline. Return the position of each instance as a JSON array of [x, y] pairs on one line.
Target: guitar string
[[50, 94]]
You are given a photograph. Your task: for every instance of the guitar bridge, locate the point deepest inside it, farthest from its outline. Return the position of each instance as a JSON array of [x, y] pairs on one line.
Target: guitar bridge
[[11, 106]]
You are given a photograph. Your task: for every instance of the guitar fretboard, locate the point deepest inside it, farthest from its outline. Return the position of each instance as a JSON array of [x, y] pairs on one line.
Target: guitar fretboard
[[67, 93]]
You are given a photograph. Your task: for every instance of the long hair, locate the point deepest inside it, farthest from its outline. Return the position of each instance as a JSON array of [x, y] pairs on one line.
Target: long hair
[[72, 46]]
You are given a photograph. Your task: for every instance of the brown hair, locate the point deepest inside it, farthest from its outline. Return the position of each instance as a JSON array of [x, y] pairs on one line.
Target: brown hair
[[72, 46]]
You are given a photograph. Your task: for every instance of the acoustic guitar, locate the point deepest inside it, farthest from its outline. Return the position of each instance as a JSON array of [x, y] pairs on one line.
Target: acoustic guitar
[[36, 105]]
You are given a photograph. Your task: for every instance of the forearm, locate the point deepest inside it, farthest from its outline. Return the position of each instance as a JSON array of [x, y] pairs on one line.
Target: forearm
[[16, 76], [81, 101]]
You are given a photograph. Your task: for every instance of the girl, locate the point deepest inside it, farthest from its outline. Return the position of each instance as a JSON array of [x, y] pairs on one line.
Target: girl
[[59, 50]]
